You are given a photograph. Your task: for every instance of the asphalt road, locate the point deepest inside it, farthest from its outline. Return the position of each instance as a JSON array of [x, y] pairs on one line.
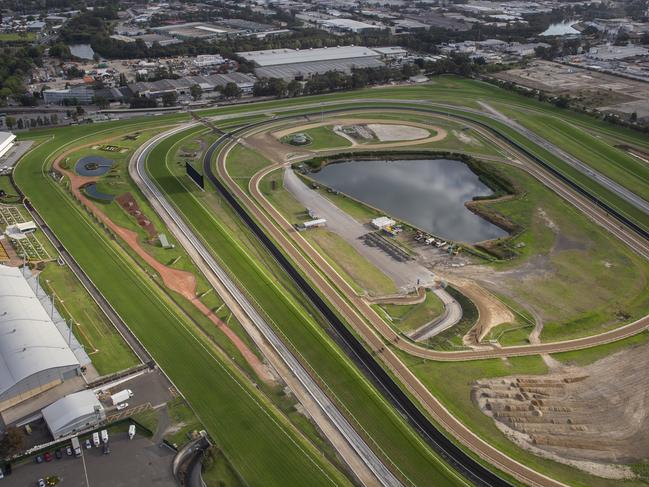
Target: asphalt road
[[131, 463]]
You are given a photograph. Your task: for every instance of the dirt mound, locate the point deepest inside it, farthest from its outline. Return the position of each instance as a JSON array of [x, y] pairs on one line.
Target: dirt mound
[[597, 413]]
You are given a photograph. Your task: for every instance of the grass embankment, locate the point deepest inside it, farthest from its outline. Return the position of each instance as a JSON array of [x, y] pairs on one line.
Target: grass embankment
[[244, 164], [105, 346], [579, 278], [408, 317], [259, 442], [361, 400]]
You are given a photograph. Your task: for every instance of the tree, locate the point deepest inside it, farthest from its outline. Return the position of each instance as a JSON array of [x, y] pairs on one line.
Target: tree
[[196, 91], [169, 99], [10, 122], [294, 88], [231, 90], [20, 124], [634, 117], [80, 110], [54, 118], [101, 101], [12, 442]]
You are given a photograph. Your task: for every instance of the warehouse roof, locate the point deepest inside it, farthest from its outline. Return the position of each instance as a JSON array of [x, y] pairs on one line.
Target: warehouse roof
[[291, 71], [29, 341], [70, 408], [274, 57]]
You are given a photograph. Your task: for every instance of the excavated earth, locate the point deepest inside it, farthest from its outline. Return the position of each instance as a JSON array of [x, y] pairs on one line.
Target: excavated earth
[[590, 417]]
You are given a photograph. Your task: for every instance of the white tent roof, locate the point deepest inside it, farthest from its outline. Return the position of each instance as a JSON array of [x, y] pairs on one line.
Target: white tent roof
[[68, 409], [29, 341]]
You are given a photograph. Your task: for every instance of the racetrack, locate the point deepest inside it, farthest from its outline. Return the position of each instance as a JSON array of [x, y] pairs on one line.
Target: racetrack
[[377, 345]]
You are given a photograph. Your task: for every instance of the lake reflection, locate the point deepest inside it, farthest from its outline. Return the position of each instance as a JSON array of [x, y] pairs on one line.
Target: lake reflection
[[429, 194]]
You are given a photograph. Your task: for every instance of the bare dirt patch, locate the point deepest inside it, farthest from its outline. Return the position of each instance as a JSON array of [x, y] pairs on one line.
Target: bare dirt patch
[[391, 133], [589, 417]]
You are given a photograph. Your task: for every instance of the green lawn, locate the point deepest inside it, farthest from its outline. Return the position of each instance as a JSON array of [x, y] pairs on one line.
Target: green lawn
[[17, 37], [586, 282], [410, 317], [350, 263], [103, 343], [323, 138], [259, 442]]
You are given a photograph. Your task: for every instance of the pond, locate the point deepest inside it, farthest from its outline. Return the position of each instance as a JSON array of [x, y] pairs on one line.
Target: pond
[[93, 166], [561, 29], [427, 193], [92, 191]]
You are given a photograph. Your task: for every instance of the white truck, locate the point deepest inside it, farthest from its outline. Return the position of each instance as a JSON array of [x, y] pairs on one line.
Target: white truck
[[104, 436], [121, 396], [76, 447], [131, 431], [95, 439]]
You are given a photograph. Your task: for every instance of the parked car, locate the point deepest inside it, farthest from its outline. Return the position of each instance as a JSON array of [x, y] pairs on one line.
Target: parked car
[[68, 451], [121, 406], [88, 444], [48, 456], [58, 453], [41, 483], [39, 459]]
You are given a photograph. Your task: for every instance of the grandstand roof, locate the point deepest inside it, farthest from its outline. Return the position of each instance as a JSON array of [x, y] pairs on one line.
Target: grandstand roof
[[30, 342]]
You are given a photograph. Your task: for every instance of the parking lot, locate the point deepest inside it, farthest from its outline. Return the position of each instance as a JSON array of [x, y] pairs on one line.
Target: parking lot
[[131, 463]]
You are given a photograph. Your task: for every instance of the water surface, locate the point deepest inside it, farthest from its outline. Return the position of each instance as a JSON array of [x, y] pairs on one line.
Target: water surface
[[561, 29], [430, 194], [82, 51]]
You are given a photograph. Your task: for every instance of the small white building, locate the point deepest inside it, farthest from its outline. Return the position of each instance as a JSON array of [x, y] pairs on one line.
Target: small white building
[[320, 222], [383, 222], [6, 142], [73, 413]]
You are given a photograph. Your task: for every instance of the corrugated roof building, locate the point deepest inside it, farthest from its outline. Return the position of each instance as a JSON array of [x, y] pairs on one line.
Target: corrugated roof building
[[73, 413], [34, 355]]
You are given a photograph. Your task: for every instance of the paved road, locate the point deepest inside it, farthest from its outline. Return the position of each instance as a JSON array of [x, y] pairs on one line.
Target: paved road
[[208, 264], [451, 316]]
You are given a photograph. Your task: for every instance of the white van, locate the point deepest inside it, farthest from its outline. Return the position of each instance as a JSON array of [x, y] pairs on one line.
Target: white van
[[95, 439], [131, 432], [104, 436]]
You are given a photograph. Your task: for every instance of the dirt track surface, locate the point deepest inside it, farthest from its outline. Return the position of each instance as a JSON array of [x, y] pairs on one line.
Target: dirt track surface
[[182, 282]]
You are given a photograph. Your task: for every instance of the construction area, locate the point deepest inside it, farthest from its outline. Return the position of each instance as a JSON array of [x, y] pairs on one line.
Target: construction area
[[593, 88], [593, 417]]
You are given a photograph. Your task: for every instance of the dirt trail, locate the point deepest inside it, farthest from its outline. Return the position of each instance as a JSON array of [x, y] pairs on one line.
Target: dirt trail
[[491, 311], [179, 281]]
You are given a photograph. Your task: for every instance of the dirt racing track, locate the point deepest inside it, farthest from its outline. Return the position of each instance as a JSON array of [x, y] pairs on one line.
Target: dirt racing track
[[374, 331]]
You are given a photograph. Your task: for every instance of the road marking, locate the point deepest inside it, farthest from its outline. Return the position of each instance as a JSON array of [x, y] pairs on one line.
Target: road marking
[[85, 470]]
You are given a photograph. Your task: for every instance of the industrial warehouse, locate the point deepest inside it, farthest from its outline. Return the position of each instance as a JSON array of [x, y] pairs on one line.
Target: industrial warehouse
[[36, 353], [290, 64]]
